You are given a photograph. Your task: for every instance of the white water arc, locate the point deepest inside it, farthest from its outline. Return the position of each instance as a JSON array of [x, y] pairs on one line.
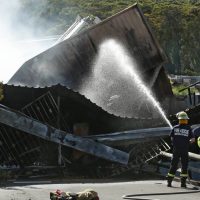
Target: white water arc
[[114, 54]]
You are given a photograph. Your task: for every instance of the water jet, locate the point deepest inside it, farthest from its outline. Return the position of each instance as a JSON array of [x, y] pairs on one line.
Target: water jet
[[114, 72]]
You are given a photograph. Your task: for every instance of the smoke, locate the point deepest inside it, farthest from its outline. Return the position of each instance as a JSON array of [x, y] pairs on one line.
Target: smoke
[[18, 41]]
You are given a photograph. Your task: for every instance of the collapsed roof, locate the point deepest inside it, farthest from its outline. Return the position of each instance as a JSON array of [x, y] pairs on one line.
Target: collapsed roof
[[51, 113], [71, 63]]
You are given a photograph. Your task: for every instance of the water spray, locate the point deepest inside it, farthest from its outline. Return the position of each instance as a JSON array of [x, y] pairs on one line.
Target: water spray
[[124, 64], [129, 66]]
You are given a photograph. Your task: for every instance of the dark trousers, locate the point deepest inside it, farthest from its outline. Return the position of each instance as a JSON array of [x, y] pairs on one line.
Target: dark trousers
[[177, 155]]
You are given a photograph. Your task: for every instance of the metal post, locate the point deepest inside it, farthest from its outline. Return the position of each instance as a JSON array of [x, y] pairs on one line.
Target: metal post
[[194, 99], [58, 126], [189, 92]]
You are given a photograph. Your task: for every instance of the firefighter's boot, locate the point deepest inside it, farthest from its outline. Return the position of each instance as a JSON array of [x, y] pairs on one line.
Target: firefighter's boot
[[183, 182], [169, 181]]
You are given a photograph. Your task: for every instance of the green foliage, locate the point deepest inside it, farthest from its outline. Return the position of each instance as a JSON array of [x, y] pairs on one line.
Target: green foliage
[[177, 88], [175, 23], [190, 72]]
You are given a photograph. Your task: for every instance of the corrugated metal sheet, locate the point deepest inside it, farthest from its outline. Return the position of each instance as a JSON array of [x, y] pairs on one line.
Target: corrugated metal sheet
[[18, 147], [70, 61], [75, 108]]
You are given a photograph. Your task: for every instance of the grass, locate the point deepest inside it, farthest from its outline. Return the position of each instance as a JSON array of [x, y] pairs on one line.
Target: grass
[[177, 88]]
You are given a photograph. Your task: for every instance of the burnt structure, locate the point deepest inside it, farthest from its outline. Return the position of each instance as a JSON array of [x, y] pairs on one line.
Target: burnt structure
[[47, 88], [63, 109], [72, 106], [70, 63]]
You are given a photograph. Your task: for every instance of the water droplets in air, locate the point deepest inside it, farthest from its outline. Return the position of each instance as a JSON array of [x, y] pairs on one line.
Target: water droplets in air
[[116, 85]]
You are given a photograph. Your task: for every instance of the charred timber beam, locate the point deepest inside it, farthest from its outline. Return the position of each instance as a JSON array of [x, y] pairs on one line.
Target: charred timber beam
[[126, 137], [31, 126]]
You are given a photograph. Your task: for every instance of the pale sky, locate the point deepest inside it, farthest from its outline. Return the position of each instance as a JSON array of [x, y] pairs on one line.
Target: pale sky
[[17, 41], [14, 53]]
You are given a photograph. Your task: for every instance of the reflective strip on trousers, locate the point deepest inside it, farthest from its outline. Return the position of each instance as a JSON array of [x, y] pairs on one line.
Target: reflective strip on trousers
[[170, 175], [184, 175], [198, 141]]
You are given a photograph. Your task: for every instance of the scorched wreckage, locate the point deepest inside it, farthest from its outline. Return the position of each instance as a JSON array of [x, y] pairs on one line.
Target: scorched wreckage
[[45, 118]]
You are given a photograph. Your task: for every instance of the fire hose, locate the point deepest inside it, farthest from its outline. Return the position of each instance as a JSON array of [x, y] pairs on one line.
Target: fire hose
[[136, 196]]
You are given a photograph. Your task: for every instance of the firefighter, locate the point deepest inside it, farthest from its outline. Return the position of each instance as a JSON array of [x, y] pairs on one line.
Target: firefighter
[[181, 135]]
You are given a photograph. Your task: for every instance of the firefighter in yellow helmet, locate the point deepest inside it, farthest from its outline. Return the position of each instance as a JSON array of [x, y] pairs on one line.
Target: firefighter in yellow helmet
[[181, 135]]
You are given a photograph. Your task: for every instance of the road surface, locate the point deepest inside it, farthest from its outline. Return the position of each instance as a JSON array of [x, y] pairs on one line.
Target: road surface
[[106, 191]]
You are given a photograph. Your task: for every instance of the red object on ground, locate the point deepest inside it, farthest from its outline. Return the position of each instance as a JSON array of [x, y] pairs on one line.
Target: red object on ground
[[58, 192]]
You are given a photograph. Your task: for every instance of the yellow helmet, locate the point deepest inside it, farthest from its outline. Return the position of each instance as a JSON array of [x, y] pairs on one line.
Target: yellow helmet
[[182, 115]]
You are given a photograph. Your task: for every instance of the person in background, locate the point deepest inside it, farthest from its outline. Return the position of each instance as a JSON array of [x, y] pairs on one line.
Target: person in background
[[181, 136], [196, 132]]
